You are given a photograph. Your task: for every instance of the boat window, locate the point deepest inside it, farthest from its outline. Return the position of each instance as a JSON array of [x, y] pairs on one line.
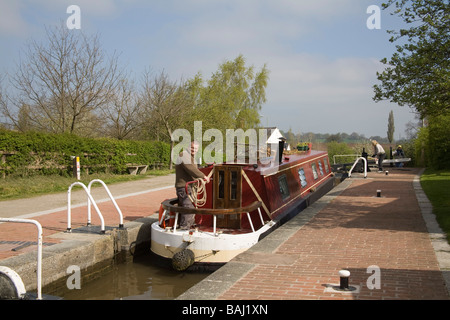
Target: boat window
[[301, 175], [284, 189], [233, 185], [221, 184], [320, 168], [325, 162], [314, 170]]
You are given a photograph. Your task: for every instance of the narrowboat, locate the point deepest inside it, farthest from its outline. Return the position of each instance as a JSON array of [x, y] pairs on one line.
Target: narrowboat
[[239, 206]]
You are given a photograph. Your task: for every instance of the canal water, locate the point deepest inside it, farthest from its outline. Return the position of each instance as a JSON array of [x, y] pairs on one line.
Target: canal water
[[139, 279]]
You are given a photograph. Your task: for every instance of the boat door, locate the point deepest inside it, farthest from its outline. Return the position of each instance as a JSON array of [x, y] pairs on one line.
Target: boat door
[[227, 194]]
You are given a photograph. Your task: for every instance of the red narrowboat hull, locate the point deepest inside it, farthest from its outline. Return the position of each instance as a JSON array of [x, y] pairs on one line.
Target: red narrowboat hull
[[281, 188], [243, 204]]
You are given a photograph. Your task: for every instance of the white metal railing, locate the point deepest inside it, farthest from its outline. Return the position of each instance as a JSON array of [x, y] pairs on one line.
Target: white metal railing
[[39, 250], [110, 197], [354, 164], [69, 213], [250, 220], [163, 216], [260, 216], [176, 222]]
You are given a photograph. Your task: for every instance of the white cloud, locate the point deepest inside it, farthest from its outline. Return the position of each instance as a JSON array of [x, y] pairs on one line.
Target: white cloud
[[306, 91], [185, 37], [255, 22], [320, 94], [262, 30], [15, 14], [91, 7], [296, 76], [11, 21]]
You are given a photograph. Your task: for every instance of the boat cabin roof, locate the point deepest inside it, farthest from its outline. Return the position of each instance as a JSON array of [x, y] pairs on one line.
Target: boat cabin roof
[[288, 161]]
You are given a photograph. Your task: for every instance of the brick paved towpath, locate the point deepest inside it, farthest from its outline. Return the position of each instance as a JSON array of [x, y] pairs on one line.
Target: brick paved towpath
[[136, 199], [390, 244], [393, 236]]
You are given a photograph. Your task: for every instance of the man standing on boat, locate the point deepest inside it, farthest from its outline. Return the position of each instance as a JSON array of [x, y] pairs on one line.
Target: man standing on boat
[[186, 170]]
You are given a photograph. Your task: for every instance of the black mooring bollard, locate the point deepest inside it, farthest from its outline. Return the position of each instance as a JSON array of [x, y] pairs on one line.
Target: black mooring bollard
[[378, 193], [344, 275]]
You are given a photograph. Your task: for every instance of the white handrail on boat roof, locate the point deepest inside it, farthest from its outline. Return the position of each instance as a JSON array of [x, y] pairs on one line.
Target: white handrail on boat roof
[[110, 197], [354, 164], [69, 213], [39, 250]]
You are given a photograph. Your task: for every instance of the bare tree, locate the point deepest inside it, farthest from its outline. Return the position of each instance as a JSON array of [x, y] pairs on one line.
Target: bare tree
[[123, 114], [167, 103], [62, 82], [4, 110]]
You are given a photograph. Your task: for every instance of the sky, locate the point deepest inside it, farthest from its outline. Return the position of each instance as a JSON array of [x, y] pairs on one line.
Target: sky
[[321, 56]]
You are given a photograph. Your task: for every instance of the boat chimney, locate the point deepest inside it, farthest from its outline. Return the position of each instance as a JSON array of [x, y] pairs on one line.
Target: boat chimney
[[281, 144]]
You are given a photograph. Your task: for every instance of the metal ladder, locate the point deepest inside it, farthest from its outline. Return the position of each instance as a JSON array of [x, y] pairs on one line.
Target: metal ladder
[[354, 164], [91, 201]]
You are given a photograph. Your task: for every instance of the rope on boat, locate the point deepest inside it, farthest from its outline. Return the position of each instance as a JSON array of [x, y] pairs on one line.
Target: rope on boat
[[199, 189]]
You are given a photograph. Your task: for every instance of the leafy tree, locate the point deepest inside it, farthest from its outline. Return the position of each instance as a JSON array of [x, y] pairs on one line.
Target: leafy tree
[[340, 148], [391, 127], [335, 137], [418, 74], [232, 98], [438, 155], [290, 138]]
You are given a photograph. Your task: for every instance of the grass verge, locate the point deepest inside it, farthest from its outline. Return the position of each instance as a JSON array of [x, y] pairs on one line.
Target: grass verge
[[436, 185], [27, 187]]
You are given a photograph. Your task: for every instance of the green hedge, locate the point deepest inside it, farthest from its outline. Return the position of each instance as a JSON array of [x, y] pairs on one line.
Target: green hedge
[[36, 152], [340, 148]]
